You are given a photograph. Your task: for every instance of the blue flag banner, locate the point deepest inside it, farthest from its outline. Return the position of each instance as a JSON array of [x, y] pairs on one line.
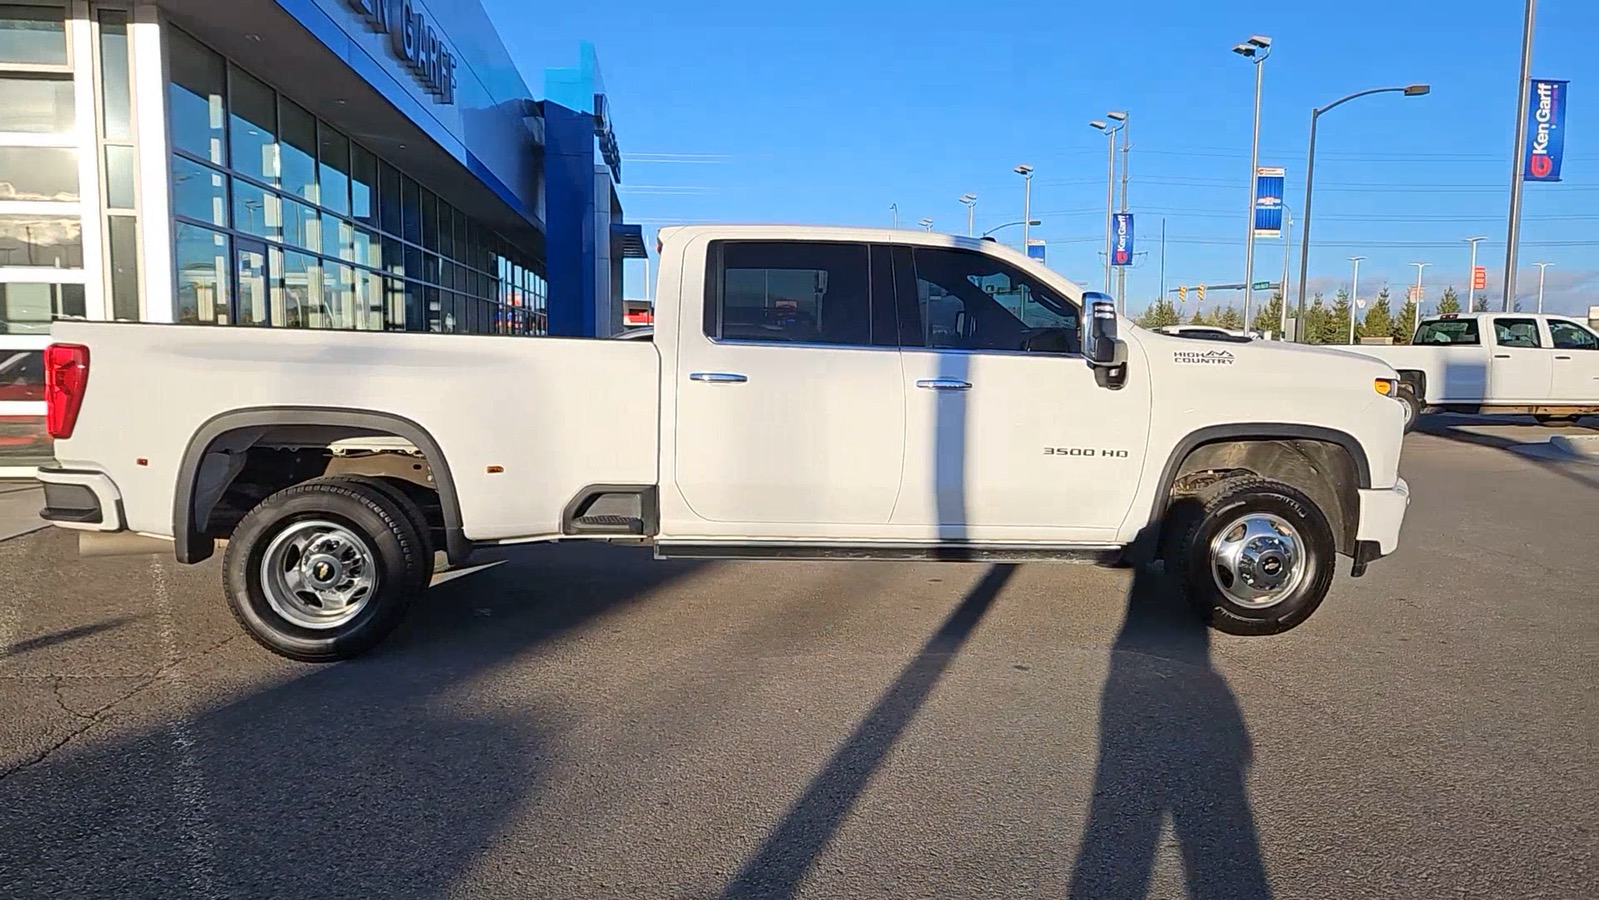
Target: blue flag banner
[[1121, 253], [1268, 202], [1546, 130]]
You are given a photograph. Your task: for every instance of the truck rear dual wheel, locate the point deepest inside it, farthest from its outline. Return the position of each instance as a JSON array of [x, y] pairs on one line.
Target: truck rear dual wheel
[[1253, 556], [324, 570]]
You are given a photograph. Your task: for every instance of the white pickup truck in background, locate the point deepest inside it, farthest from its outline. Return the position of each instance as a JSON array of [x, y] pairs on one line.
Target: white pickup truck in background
[[805, 393], [1498, 364]]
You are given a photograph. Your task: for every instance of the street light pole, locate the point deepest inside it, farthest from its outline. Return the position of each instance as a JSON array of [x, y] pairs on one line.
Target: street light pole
[[1026, 171], [895, 208], [1414, 90], [1012, 224], [1541, 266], [926, 223], [1518, 155], [1121, 271], [1471, 291], [1256, 49], [1354, 296], [971, 204], [1282, 287], [1416, 319], [1110, 188]]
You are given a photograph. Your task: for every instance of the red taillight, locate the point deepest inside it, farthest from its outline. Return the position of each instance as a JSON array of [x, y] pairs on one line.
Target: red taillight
[[66, 374]]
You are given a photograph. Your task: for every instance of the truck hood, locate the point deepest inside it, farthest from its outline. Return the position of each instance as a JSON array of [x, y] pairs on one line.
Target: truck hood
[[1294, 361]]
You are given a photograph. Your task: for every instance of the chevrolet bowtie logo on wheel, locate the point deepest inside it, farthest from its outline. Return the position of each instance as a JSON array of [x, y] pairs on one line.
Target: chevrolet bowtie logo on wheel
[[1205, 358]]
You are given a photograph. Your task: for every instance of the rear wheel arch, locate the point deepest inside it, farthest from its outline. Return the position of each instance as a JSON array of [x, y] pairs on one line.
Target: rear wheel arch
[[239, 429]]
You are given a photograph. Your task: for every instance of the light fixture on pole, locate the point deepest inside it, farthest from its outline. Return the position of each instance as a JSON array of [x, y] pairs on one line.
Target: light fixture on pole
[[1471, 292], [1026, 171], [971, 204], [1518, 156], [1541, 266], [1354, 295], [1414, 90], [895, 208], [926, 223], [1012, 225], [1110, 189], [1256, 49], [1416, 320]]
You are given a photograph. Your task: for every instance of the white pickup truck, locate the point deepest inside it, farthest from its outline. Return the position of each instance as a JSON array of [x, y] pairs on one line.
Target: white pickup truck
[[1496, 363], [826, 393]]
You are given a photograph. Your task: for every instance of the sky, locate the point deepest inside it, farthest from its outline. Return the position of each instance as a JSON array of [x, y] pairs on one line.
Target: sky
[[830, 112]]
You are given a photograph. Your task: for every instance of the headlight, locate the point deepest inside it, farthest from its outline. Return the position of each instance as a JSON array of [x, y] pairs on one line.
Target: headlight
[[1388, 387]]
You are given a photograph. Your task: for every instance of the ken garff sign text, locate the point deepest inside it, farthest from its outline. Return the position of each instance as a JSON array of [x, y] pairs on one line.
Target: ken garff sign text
[[414, 42], [1546, 126], [1122, 253]]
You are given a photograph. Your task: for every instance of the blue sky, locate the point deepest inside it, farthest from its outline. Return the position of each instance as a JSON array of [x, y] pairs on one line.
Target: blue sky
[[828, 112]]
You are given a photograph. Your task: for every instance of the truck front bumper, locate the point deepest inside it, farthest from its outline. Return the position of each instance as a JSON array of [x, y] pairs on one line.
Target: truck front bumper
[[1382, 512], [81, 499]]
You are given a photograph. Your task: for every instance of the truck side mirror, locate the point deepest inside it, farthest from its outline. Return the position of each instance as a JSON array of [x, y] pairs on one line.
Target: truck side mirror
[[1102, 350]]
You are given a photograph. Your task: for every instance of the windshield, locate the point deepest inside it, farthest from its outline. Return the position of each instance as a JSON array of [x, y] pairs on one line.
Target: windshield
[[1448, 331]]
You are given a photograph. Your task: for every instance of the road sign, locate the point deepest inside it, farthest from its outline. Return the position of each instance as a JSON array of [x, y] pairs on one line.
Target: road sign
[[1479, 278], [1261, 285]]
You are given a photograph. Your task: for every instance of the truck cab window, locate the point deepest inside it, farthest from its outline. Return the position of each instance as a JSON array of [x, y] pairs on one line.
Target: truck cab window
[[972, 301], [1448, 331], [1522, 333], [1571, 336], [790, 292]]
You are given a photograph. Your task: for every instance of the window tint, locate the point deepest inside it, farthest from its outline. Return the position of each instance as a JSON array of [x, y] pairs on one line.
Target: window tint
[[1571, 336], [972, 301], [1448, 331], [812, 293], [1516, 333]]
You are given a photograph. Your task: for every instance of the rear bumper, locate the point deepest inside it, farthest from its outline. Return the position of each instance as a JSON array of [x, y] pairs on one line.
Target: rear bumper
[[81, 499], [1382, 512]]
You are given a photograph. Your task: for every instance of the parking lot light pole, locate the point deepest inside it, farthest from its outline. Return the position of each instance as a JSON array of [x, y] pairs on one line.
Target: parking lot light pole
[[1416, 320], [1110, 188], [1518, 157], [1541, 266], [1256, 49], [1414, 90], [926, 223], [1471, 290], [1026, 171], [1012, 225], [971, 204], [1354, 296]]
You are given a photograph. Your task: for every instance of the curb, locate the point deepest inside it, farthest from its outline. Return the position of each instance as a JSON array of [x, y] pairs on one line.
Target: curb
[[1584, 446]]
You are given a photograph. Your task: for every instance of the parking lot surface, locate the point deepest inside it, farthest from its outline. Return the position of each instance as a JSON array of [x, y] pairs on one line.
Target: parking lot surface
[[585, 722]]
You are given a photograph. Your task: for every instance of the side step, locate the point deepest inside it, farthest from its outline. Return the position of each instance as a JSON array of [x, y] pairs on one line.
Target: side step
[[626, 510]]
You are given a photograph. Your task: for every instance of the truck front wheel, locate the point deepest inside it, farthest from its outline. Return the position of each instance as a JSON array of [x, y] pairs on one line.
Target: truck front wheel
[[323, 570], [1413, 405], [1253, 556]]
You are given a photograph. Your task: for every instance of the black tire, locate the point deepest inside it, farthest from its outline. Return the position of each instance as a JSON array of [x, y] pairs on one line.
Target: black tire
[[1218, 507], [406, 506], [373, 517], [1413, 405], [1555, 420]]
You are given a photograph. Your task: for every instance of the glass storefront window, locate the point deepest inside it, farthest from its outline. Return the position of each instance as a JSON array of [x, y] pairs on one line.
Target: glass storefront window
[[363, 185], [411, 210], [199, 192], [297, 149], [33, 35], [51, 241], [119, 176], [338, 237], [194, 98], [302, 227], [123, 238], [430, 221], [338, 296], [389, 198], [203, 266], [37, 104], [252, 127], [38, 173], [28, 308], [116, 107], [333, 174]]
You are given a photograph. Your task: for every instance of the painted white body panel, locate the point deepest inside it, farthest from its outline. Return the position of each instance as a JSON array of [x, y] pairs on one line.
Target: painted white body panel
[[1491, 374], [816, 444]]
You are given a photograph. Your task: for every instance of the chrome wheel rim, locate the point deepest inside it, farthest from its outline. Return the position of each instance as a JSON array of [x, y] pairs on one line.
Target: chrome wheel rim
[[1257, 560], [318, 574]]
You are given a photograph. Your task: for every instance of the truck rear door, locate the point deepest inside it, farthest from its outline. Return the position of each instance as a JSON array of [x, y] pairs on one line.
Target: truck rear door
[[789, 410], [1576, 363], [1522, 364]]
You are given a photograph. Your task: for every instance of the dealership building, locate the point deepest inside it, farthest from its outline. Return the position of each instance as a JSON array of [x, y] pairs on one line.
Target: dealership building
[[340, 164]]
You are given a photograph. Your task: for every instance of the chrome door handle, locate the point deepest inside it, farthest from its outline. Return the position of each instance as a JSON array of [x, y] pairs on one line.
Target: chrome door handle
[[1562, 357], [944, 384], [718, 377], [1501, 356]]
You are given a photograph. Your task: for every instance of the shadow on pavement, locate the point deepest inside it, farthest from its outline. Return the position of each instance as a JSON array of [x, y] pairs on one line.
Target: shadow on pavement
[[382, 777], [1443, 427], [64, 636], [1173, 746], [792, 848]]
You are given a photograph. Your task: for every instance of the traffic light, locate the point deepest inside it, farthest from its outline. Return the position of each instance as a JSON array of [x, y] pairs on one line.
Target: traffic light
[[1200, 293], [1182, 293]]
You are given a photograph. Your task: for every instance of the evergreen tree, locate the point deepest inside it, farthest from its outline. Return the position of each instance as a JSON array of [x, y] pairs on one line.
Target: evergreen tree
[[1338, 320], [1379, 318], [1316, 321], [1270, 317], [1404, 324], [1160, 314], [1230, 319], [1199, 318], [1449, 302], [1480, 304]]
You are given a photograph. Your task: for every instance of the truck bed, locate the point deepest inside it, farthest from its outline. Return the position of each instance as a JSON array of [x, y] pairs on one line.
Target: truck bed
[[557, 414]]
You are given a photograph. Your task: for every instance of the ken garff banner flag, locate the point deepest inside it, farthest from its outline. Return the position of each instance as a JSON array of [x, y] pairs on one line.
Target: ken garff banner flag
[[1122, 254], [1268, 201], [1546, 128]]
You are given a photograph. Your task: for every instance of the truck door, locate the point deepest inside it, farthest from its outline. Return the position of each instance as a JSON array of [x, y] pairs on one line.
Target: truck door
[[790, 414], [1008, 437], [1576, 363], [1520, 370]]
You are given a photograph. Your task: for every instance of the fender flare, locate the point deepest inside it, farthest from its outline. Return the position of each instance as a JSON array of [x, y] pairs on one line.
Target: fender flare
[[191, 546], [1256, 431]]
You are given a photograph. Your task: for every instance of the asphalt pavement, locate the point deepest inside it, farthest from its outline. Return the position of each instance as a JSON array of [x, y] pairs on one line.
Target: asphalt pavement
[[586, 722]]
